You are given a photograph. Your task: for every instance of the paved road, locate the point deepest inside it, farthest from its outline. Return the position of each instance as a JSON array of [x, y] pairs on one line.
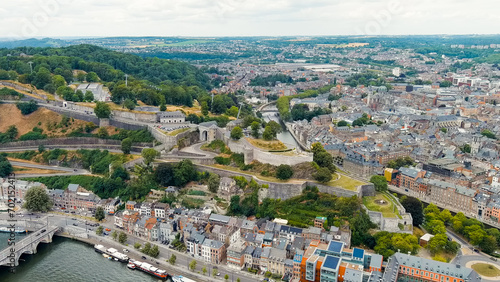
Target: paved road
[[182, 262], [64, 171]]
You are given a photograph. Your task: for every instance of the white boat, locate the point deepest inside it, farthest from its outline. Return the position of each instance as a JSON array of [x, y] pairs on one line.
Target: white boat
[[131, 265]]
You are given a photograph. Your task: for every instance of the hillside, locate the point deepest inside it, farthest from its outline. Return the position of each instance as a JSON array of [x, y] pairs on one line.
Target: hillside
[[150, 80], [41, 118]]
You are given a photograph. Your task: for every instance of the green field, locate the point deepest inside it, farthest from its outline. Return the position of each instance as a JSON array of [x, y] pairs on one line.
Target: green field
[[486, 269], [388, 209], [345, 182]]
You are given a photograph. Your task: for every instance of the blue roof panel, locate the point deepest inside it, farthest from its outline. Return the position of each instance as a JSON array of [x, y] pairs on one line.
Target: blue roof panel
[[358, 253], [331, 262], [335, 246]]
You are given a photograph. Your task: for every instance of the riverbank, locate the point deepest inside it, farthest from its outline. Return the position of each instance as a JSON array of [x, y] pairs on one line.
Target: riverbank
[[160, 262]]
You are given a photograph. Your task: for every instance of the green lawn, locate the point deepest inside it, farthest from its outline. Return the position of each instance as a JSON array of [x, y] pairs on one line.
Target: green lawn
[[486, 269], [388, 210], [177, 131], [345, 182]]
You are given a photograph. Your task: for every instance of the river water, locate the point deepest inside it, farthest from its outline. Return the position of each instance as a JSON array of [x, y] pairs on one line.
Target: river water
[[285, 135], [66, 260]]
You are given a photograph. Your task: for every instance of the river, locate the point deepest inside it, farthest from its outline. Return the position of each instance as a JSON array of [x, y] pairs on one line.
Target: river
[[66, 260], [285, 135]]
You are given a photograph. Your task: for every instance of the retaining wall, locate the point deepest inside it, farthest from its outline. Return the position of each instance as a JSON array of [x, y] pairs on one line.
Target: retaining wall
[[282, 190]]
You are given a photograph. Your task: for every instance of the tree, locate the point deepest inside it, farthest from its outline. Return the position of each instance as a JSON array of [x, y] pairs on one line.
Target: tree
[[114, 235], [488, 244], [445, 216], [275, 127], [42, 78], [238, 280], [415, 208], [102, 132], [444, 130], [99, 230], [58, 81], [466, 148], [154, 251], [436, 226], [149, 155], [488, 134], [233, 111], [122, 238], [236, 133], [268, 134], [147, 248], [379, 182], [126, 145], [226, 277], [204, 270], [284, 172], [163, 107], [137, 245], [99, 214], [214, 272], [323, 175], [172, 259], [204, 108], [437, 244], [37, 200], [213, 182], [102, 110], [27, 108], [129, 104], [92, 77], [445, 84], [192, 265], [255, 129], [89, 96], [342, 123], [5, 166]]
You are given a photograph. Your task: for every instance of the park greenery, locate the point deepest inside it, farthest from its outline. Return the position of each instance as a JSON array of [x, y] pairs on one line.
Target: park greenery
[[436, 222], [5, 166], [302, 111], [99, 214], [174, 82], [415, 208], [8, 93], [401, 162], [283, 103], [27, 108], [301, 211], [37, 200], [379, 182]]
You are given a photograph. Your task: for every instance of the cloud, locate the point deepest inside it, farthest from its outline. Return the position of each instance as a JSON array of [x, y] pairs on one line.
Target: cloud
[[59, 18]]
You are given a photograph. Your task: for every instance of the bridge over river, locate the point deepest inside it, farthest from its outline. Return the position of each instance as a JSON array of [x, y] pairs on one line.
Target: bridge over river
[[42, 234]]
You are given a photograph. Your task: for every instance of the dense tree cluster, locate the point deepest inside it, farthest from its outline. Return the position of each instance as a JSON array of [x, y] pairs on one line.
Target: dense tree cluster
[[27, 108], [151, 80], [176, 174], [301, 112], [5, 166], [379, 182], [401, 162], [388, 244], [37, 200], [473, 230]]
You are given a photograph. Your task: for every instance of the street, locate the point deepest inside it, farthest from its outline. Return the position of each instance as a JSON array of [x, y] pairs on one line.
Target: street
[[76, 226]]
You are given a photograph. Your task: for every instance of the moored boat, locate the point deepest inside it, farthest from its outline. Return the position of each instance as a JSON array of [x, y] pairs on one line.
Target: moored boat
[[150, 269]]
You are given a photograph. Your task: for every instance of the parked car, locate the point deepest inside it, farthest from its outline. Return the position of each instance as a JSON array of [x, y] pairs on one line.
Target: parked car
[[143, 257]]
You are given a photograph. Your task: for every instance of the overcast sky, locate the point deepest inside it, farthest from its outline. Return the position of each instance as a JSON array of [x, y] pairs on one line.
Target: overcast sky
[[79, 18]]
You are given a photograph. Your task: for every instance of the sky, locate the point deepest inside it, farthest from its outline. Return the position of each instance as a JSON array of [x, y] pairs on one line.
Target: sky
[[96, 18]]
